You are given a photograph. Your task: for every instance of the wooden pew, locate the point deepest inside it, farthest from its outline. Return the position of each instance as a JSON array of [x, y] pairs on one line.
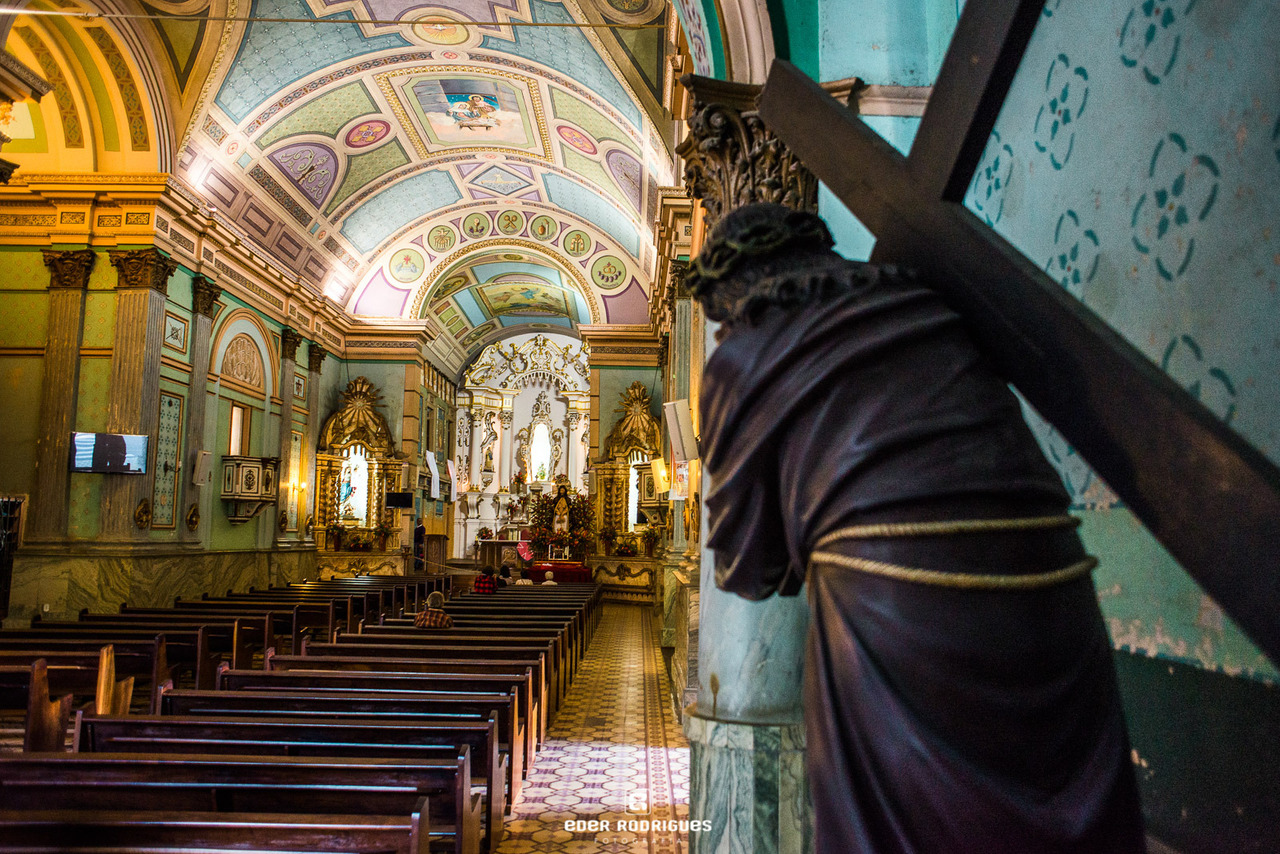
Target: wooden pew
[[79, 674], [237, 784], [298, 680], [250, 634], [444, 649], [543, 699], [45, 727], [428, 706], [548, 644], [147, 657], [283, 736], [76, 830]]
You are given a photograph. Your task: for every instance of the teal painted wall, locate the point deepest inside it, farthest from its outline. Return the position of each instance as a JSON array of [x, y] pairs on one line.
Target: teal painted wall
[[1136, 160]]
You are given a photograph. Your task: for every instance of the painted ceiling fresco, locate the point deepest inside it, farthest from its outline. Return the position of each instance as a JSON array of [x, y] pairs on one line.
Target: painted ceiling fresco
[[485, 177]]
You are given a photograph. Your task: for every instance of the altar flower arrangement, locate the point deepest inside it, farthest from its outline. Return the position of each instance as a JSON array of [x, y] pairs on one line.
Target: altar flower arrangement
[[579, 536], [485, 533], [649, 538], [626, 548]]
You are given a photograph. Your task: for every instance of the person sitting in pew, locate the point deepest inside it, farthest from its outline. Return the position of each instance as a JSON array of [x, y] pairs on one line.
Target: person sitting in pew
[[524, 579], [504, 576], [485, 582], [551, 579], [433, 616]]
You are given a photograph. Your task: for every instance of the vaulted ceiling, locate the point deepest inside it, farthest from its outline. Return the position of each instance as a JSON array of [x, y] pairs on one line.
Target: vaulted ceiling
[[485, 178]]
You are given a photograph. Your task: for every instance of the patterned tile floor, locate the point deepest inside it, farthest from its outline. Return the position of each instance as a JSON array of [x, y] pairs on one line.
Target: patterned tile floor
[[613, 754]]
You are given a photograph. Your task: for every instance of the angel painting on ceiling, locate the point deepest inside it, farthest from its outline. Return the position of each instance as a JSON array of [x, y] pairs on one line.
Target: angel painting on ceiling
[[462, 110]]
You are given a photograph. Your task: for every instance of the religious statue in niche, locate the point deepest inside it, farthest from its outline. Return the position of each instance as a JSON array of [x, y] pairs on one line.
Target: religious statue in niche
[[557, 441], [490, 438], [856, 441], [560, 509], [356, 462], [522, 452]]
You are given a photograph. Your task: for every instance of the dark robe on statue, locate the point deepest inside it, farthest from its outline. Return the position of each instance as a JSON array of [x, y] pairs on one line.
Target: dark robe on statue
[[940, 718]]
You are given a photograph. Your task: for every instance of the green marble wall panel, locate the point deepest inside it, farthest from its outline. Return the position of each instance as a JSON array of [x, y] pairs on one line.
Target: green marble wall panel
[[20, 379], [101, 582], [749, 782]]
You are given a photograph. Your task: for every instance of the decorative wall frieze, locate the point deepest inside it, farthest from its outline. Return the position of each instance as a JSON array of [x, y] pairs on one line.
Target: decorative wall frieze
[[142, 268], [204, 295], [539, 360], [69, 269], [732, 159]]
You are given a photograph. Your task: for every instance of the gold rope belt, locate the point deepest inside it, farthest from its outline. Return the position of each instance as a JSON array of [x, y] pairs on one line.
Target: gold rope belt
[[955, 580]]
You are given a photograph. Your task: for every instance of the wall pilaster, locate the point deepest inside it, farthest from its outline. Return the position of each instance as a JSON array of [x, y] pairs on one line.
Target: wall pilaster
[[141, 285], [288, 474], [68, 281], [204, 299], [315, 364]]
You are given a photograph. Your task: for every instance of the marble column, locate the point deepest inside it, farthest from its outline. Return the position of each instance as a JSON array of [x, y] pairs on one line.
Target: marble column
[[60, 391], [677, 389], [477, 452], [288, 472], [141, 285], [749, 671], [204, 298], [315, 363], [749, 782], [506, 455], [573, 465]]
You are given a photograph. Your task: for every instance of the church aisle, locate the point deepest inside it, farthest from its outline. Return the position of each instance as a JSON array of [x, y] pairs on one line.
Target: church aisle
[[615, 752]]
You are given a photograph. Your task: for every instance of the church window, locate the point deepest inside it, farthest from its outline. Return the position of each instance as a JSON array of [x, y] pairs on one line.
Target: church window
[[540, 453], [239, 445]]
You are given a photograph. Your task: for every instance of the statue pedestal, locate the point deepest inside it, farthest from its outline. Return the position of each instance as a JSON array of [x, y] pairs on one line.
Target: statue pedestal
[[748, 780]]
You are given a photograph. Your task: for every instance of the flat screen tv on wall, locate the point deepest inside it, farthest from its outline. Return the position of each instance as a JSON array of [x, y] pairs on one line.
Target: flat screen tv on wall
[[108, 453]]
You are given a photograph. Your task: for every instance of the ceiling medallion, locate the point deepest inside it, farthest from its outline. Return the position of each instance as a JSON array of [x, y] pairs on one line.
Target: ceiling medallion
[[510, 222], [608, 272], [436, 29], [577, 139], [406, 265], [367, 133], [576, 243], [441, 238], [476, 226], [544, 228]]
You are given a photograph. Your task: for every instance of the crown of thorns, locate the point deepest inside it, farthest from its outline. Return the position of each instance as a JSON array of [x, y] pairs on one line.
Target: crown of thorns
[[752, 233]]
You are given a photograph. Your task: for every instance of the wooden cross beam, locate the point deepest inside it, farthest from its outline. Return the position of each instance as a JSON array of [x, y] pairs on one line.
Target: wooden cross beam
[[1207, 495]]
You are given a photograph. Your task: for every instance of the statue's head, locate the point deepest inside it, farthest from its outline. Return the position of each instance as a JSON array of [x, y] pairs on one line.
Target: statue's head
[[750, 244]]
